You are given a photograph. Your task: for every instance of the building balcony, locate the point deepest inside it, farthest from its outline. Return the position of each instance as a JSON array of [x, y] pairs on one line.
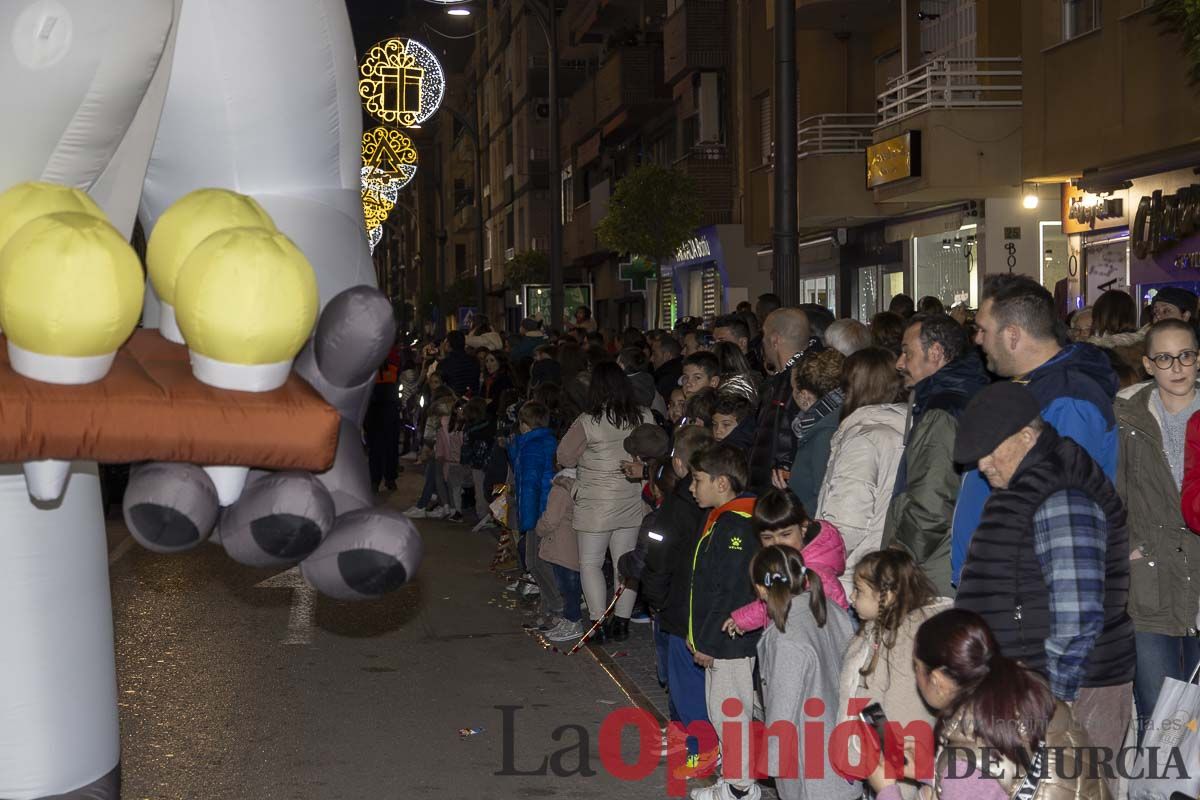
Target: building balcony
[[952, 130], [592, 20], [712, 168], [695, 38], [830, 168], [579, 119], [629, 86], [579, 237], [845, 16]]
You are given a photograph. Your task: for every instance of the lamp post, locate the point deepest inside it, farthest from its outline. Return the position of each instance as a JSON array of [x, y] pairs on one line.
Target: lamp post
[[546, 13], [785, 258]]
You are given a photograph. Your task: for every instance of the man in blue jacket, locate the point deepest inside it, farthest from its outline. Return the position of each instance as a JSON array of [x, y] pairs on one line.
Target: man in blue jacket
[[1073, 385]]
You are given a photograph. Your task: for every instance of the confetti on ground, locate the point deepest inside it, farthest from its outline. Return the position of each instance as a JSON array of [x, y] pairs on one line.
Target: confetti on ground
[[463, 733], [620, 654], [607, 702]]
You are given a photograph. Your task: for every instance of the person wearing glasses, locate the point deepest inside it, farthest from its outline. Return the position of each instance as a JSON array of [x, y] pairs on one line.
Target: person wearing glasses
[[1152, 419]]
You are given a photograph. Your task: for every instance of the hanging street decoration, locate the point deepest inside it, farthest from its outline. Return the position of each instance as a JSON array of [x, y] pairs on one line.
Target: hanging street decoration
[[402, 82], [637, 270], [390, 156], [389, 164]]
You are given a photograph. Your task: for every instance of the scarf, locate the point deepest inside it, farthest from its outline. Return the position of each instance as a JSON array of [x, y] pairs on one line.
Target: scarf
[[803, 423], [1174, 430]]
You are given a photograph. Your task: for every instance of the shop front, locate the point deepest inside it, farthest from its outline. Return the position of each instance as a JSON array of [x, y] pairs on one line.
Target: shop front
[[710, 274], [1164, 233], [1096, 229], [873, 270]]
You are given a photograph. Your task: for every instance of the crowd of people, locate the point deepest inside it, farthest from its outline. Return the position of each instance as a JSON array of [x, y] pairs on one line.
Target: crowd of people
[[975, 519]]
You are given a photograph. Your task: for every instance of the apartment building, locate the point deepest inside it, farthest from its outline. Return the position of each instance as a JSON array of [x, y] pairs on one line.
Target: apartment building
[[1116, 153]]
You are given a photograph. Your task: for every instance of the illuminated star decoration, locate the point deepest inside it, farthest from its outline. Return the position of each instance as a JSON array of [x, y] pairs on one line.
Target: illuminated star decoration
[[402, 82]]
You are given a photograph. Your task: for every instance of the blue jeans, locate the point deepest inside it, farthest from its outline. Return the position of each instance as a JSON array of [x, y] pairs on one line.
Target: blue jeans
[[1160, 657], [571, 590], [685, 682]]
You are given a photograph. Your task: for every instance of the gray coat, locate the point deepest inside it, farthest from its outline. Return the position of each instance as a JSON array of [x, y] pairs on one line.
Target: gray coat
[[1164, 585], [802, 662]]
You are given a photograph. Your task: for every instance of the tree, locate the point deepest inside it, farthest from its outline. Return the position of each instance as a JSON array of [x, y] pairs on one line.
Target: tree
[[1182, 17], [532, 266], [653, 210]]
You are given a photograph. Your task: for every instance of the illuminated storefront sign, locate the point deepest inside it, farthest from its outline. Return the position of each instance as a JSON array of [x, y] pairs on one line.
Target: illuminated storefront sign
[[692, 249], [894, 159], [402, 82]]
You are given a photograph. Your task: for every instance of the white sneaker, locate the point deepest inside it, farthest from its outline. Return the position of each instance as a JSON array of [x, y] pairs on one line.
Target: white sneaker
[[441, 512], [566, 632], [416, 512], [721, 791], [529, 589], [515, 586]]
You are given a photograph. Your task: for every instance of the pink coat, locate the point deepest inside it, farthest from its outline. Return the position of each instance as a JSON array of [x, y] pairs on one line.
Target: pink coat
[[824, 555]]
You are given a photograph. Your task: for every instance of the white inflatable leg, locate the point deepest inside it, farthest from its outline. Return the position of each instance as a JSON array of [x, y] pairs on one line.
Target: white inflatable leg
[[58, 685], [46, 480], [229, 482]]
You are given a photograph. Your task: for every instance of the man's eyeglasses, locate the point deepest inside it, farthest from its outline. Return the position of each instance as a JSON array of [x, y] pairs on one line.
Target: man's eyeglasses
[[1164, 361]]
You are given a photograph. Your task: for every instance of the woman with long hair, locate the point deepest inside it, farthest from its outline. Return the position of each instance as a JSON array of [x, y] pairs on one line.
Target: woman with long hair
[[994, 708], [1114, 328], [864, 454], [498, 378], [608, 508]]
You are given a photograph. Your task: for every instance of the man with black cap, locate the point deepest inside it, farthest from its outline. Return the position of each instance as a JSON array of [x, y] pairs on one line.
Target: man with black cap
[[1048, 566], [1173, 303]]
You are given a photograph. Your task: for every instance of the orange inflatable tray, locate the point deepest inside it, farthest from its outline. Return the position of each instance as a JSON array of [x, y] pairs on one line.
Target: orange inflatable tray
[[150, 408]]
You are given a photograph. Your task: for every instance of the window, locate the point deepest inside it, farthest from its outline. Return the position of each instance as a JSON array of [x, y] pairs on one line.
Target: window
[[521, 227], [764, 129], [568, 194], [1079, 17], [508, 229], [460, 259]]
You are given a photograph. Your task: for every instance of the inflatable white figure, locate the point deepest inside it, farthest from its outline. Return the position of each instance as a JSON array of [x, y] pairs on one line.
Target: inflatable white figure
[[139, 103]]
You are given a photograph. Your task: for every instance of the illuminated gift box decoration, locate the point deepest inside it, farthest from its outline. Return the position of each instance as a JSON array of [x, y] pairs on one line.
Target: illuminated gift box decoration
[[402, 82]]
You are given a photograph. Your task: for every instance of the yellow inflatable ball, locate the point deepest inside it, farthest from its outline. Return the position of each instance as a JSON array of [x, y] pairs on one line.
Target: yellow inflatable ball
[[70, 285], [189, 221], [27, 201], [246, 296]]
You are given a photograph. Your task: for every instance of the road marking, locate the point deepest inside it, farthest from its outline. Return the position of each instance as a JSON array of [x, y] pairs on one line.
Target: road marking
[[304, 601], [120, 550]]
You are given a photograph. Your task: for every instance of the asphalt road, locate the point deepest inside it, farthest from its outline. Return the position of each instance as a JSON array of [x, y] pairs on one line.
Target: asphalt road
[[233, 690]]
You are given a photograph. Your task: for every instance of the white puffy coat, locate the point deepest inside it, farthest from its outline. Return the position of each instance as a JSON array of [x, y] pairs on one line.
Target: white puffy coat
[[864, 456]]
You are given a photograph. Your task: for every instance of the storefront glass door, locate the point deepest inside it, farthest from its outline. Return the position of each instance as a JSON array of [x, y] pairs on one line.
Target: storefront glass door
[[874, 289], [946, 266]]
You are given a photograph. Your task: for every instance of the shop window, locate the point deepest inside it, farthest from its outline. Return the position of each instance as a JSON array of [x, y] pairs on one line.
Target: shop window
[[946, 265], [668, 304], [1079, 17], [821, 291], [711, 294], [866, 303]]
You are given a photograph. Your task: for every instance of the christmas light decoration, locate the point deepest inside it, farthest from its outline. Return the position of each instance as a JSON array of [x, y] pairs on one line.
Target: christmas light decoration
[[402, 82]]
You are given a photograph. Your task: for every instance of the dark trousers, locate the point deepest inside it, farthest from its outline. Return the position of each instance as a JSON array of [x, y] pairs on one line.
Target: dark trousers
[[685, 682], [382, 427], [571, 590]]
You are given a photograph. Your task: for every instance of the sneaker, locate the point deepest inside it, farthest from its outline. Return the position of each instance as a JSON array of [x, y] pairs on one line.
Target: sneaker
[[722, 791], [566, 632], [454, 516], [441, 512], [529, 590], [416, 512], [640, 617], [515, 586]]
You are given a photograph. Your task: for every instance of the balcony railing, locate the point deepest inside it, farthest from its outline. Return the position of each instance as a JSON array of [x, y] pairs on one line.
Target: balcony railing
[[948, 83], [834, 134]]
